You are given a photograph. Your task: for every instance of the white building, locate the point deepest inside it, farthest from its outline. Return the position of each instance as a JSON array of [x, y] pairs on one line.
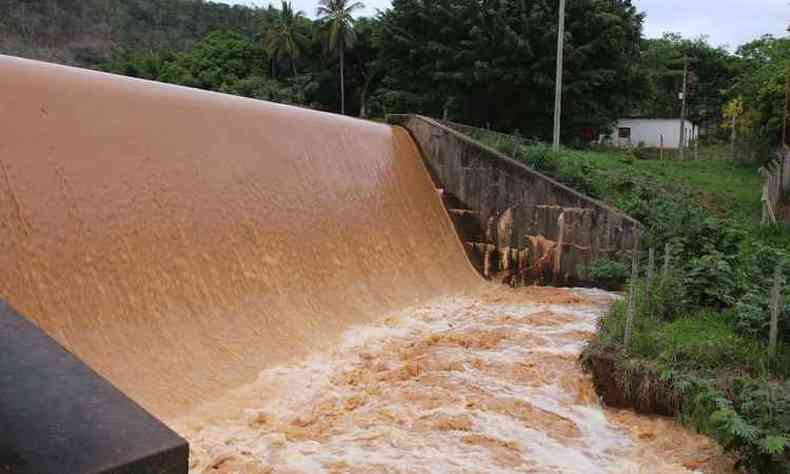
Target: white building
[[650, 132]]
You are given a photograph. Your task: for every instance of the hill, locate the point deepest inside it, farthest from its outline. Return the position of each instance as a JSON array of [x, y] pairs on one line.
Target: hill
[[85, 32]]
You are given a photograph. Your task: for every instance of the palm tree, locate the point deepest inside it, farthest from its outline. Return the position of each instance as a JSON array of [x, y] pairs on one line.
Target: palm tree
[[284, 40], [339, 30]]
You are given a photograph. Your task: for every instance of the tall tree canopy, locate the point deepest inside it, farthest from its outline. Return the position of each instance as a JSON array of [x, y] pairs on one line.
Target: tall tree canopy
[[763, 69], [492, 61], [338, 26], [710, 74], [285, 39]]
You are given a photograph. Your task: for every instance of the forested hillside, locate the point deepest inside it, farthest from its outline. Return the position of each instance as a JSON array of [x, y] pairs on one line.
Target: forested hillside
[[487, 63], [85, 32]]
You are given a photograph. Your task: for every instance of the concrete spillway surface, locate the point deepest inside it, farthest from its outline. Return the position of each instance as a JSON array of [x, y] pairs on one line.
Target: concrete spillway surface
[[181, 242], [178, 241]]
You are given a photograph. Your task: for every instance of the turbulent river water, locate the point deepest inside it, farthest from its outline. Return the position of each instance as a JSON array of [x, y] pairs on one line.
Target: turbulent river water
[[483, 382]]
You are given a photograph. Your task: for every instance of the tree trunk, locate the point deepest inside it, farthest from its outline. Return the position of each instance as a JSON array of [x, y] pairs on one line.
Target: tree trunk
[[342, 84], [733, 135], [363, 98]]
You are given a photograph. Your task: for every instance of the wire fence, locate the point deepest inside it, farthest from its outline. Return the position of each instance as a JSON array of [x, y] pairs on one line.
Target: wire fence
[[776, 188]]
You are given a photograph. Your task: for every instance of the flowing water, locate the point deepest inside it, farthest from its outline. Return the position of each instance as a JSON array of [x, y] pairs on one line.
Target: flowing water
[[179, 241], [486, 382], [182, 242]]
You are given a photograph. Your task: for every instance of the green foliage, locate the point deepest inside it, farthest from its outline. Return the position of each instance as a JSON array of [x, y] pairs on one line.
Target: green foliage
[[762, 71], [218, 62], [285, 39], [705, 341], [494, 61], [711, 71], [711, 279], [670, 297], [611, 273], [752, 316], [86, 32], [722, 378], [541, 157]]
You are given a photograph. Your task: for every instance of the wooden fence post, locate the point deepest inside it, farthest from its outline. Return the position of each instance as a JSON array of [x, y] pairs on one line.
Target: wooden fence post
[[516, 146], [631, 314], [651, 264], [665, 270], [696, 149], [776, 310]]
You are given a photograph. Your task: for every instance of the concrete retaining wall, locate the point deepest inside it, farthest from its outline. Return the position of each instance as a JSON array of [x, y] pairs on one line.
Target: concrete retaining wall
[[517, 224]]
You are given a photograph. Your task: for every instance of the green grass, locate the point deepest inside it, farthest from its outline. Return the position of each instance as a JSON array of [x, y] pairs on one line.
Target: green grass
[[701, 342], [726, 188]]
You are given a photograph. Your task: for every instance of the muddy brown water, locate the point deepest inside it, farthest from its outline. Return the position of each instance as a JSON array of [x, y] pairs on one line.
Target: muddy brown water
[[179, 241], [284, 288], [486, 382]]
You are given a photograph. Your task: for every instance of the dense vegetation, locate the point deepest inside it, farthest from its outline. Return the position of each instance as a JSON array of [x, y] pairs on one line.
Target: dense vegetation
[[488, 63]]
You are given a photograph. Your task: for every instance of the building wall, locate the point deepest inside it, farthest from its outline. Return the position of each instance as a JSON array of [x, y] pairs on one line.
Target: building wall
[[649, 131], [517, 224]]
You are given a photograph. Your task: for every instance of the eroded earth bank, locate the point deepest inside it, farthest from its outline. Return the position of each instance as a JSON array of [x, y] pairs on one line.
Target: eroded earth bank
[[483, 382]]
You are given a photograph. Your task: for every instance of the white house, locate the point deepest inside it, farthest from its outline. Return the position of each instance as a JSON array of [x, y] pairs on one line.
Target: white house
[[650, 132]]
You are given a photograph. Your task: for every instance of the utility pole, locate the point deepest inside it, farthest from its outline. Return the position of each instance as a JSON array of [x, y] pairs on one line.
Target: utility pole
[[785, 143], [682, 140], [558, 82]]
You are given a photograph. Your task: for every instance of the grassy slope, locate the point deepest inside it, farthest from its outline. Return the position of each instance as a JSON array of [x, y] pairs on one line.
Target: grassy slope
[[726, 188]]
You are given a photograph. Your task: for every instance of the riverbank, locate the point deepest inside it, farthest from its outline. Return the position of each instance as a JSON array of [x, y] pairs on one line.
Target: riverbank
[[700, 345]]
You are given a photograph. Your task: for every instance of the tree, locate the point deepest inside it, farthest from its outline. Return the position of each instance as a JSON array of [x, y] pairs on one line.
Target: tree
[[732, 110], [710, 74], [493, 61], [362, 65], [285, 39], [338, 22], [763, 68]]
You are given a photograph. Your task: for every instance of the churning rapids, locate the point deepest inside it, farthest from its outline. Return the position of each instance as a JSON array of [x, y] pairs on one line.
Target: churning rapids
[[484, 382]]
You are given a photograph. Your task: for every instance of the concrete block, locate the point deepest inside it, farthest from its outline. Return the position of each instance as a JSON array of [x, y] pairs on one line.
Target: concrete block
[[58, 416]]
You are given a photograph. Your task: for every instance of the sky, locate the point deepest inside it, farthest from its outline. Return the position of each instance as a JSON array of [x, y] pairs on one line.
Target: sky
[[725, 22]]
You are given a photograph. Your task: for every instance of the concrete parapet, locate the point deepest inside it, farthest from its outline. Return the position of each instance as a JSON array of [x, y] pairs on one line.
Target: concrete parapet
[[517, 224]]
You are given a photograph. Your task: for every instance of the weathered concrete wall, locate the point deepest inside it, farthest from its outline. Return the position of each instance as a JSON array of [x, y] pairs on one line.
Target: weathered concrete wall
[[516, 223]]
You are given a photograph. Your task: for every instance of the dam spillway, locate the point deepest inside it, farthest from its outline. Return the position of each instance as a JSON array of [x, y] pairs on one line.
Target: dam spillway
[[178, 240]]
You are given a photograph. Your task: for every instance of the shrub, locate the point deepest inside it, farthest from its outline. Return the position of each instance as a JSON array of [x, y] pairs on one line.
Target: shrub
[[611, 273], [540, 157]]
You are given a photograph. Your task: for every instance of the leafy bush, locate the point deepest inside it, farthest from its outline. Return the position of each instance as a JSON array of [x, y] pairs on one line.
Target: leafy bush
[[752, 316], [711, 281], [670, 298], [541, 158], [611, 273]]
